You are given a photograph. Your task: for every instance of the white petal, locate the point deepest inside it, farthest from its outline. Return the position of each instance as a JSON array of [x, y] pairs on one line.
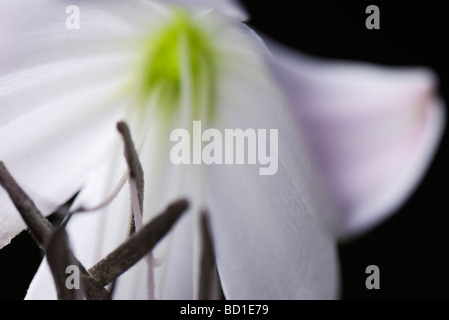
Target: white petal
[[17, 17], [270, 232], [42, 286], [46, 58], [34, 87], [102, 239], [59, 104], [373, 130], [247, 232], [92, 234], [229, 7], [51, 150]]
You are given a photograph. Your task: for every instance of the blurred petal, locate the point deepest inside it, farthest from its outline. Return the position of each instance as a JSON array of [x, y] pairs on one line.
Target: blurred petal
[[230, 7], [15, 18], [93, 234], [270, 232], [372, 130], [66, 60], [59, 104], [68, 141]]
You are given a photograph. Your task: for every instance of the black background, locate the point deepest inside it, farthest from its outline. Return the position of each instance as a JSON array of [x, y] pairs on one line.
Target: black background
[[411, 248]]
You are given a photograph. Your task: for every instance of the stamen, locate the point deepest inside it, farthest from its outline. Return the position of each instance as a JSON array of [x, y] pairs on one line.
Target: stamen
[[44, 234], [132, 159], [139, 224], [209, 284], [41, 229], [138, 245], [136, 183], [56, 242], [59, 256]]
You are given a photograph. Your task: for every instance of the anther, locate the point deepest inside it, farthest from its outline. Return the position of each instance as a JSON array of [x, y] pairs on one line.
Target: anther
[[138, 245], [209, 287]]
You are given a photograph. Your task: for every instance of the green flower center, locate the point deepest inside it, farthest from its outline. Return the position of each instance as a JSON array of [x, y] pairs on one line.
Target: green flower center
[[178, 58]]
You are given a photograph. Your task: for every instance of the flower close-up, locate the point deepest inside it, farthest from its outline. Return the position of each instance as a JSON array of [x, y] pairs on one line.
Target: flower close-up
[[279, 155]]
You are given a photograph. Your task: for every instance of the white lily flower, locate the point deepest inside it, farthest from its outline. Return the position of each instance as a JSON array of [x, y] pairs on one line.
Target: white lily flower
[[354, 141]]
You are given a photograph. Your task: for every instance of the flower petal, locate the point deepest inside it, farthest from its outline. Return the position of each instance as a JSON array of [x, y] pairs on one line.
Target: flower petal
[[270, 232], [229, 7], [59, 105], [92, 234], [64, 143], [43, 134], [373, 130], [61, 59]]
